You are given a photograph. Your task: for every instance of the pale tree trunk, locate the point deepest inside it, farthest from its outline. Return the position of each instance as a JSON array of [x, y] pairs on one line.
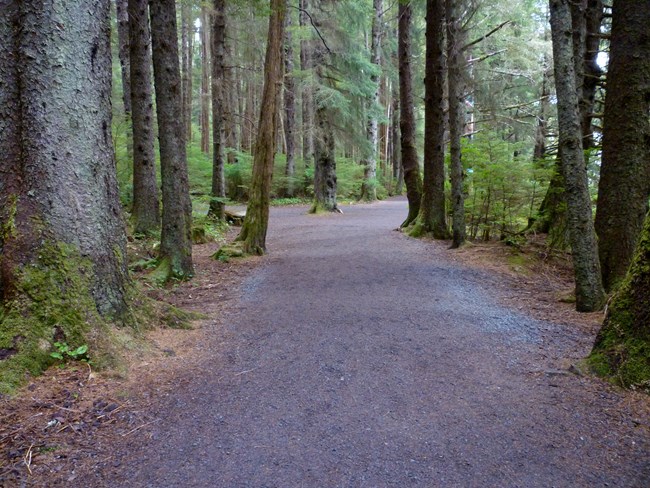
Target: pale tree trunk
[[217, 204], [146, 209], [456, 119], [369, 185], [410, 163], [176, 244], [63, 245], [121, 7], [307, 91], [187, 41], [589, 289], [205, 80], [289, 110], [253, 233], [432, 217], [624, 185]]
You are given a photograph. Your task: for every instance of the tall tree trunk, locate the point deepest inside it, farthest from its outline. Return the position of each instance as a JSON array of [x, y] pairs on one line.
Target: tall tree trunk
[[63, 246], [121, 7], [589, 289], [217, 203], [325, 184], [621, 348], [396, 148], [369, 185], [289, 110], [146, 210], [456, 119], [410, 164], [205, 80], [432, 217], [187, 41], [307, 90], [253, 233], [231, 101], [624, 185], [176, 243]]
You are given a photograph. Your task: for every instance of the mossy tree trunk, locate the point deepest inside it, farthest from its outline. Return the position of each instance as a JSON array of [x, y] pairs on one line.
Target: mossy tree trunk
[[205, 79], [146, 207], [62, 240], [325, 183], [217, 204], [590, 295], [432, 218], [624, 185], [176, 242], [622, 348], [410, 164], [253, 233]]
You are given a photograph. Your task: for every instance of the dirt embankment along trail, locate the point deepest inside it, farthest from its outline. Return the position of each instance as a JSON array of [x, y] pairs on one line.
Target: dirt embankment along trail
[[358, 357]]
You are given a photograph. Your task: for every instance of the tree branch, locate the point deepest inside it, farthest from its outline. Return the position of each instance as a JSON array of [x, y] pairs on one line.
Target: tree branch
[[476, 41], [311, 20]]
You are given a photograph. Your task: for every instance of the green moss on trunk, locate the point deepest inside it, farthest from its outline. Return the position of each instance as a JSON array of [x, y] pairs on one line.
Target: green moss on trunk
[[622, 348], [52, 302]]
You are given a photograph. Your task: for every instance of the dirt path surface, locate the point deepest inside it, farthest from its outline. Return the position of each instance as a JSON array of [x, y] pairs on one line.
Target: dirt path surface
[[358, 357]]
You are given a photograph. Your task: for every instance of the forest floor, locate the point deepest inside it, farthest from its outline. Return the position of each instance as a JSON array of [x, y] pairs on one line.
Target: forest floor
[[351, 356]]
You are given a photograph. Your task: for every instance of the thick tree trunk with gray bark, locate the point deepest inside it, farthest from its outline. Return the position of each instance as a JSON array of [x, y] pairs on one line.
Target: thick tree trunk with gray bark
[[176, 244], [589, 290], [410, 164], [62, 240], [146, 208], [624, 185]]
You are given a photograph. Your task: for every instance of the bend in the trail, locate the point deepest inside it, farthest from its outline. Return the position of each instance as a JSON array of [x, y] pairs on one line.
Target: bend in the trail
[[362, 358]]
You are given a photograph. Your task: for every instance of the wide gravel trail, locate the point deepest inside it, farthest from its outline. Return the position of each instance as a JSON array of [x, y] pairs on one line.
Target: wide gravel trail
[[358, 357]]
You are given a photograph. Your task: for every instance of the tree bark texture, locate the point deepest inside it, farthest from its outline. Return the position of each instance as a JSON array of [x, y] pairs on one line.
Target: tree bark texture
[[187, 41], [622, 347], [307, 90], [253, 233], [369, 185], [624, 185], [589, 290], [176, 243], [325, 183], [121, 7], [432, 217], [217, 204], [205, 80], [410, 163], [456, 119], [146, 208], [59, 206], [289, 110]]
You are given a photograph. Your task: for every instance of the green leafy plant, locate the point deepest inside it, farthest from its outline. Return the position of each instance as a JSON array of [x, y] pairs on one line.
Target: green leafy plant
[[64, 353]]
